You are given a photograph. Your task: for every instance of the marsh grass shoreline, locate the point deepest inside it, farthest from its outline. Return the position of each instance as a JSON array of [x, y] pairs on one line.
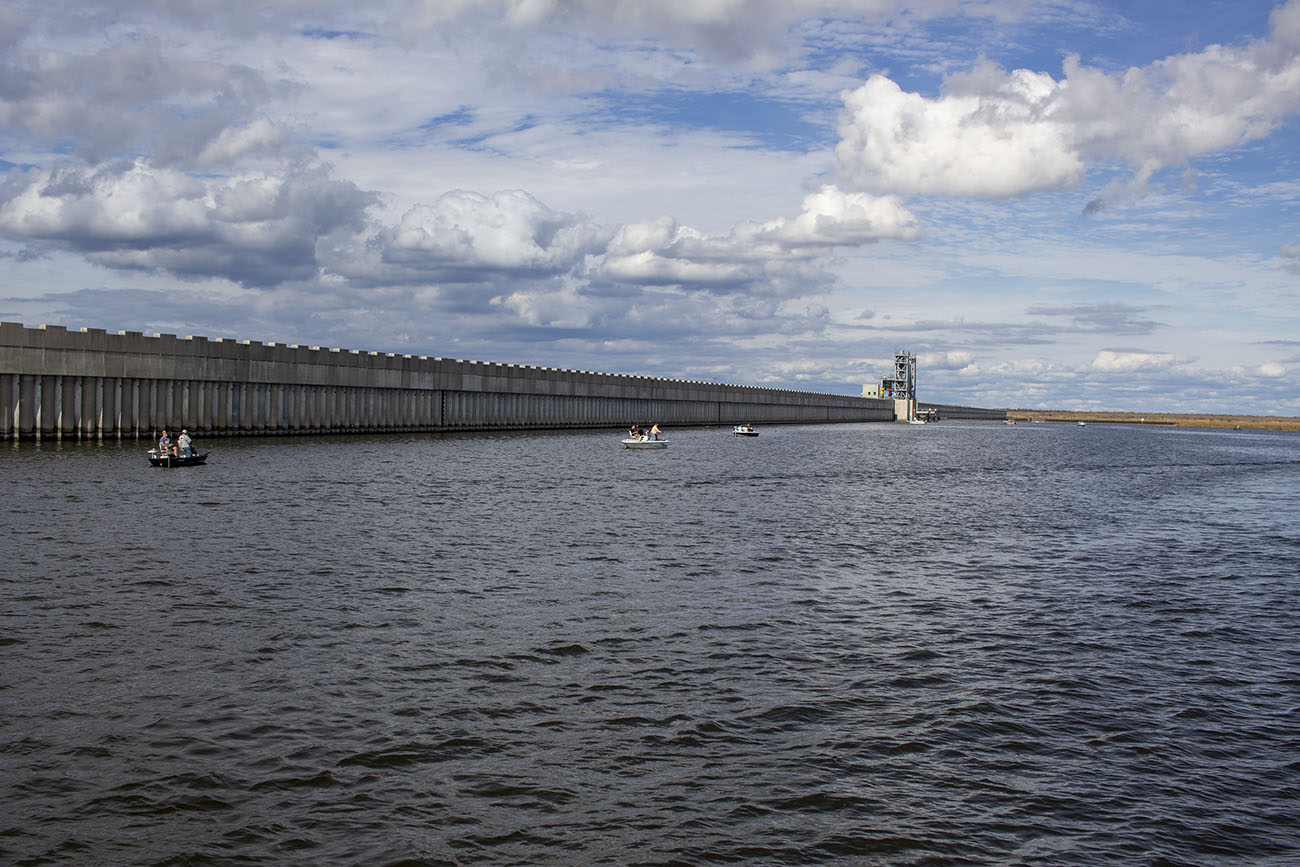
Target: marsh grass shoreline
[[1244, 422]]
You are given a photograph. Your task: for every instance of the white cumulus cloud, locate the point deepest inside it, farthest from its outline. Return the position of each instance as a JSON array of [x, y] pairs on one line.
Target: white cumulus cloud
[[951, 360], [663, 251], [995, 133], [508, 231], [1109, 361], [1001, 142], [560, 306], [832, 217]]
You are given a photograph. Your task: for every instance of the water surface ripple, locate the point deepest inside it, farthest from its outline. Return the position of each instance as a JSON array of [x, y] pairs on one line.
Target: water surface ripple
[[869, 644]]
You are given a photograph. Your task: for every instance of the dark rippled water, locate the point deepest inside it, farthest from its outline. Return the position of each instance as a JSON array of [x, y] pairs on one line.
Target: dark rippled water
[[875, 644]]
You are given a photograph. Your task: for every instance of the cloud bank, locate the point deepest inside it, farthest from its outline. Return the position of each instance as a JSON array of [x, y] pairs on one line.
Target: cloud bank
[[998, 134], [252, 229]]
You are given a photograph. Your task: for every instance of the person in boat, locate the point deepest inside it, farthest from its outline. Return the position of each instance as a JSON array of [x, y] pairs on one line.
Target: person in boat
[[185, 444], [654, 432], [634, 431], [165, 444]]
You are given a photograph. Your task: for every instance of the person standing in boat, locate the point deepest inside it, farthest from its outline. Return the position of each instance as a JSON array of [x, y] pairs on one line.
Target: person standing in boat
[[186, 444], [654, 432]]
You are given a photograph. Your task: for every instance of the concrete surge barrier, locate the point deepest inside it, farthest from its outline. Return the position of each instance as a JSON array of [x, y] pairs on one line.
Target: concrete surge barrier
[[963, 413], [91, 384]]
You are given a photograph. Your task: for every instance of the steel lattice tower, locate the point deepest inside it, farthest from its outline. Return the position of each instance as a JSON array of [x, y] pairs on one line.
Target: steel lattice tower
[[902, 386]]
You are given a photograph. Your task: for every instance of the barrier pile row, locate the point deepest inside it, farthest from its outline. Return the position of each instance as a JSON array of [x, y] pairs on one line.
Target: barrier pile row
[[88, 384]]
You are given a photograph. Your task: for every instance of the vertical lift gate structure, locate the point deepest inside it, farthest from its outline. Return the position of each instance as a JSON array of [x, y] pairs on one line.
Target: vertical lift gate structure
[[901, 387]]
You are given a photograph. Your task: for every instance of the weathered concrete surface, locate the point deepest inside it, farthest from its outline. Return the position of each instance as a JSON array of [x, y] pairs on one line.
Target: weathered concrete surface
[[968, 413], [90, 383]]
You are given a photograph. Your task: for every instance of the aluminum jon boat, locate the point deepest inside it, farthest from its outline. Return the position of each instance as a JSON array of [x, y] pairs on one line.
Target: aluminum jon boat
[[158, 460]]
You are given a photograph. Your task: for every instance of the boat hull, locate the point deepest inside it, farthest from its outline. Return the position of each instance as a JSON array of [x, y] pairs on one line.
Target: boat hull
[[644, 444], [157, 460]]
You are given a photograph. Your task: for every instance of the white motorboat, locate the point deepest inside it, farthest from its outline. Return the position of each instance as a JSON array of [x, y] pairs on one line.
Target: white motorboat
[[644, 442], [744, 430]]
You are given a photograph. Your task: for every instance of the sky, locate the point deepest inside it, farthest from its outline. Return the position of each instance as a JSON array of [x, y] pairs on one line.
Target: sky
[[1054, 205]]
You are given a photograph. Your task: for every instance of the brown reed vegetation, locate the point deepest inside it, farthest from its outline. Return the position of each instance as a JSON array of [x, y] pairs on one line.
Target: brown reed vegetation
[[1244, 422]]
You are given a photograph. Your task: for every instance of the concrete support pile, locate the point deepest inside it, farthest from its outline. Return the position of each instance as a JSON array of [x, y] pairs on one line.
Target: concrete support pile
[[89, 384]]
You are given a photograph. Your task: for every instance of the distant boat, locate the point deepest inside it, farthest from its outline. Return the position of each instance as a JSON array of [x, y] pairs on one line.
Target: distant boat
[[915, 421], [744, 430], [1083, 424], [644, 442], [165, 460]]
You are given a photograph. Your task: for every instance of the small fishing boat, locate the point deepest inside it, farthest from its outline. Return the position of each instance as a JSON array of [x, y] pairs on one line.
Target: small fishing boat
[[644, 442], [916, 421], [744, 430], [165, 460]]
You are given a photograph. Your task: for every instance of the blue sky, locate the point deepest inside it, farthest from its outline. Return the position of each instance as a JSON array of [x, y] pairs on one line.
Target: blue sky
[[1054, 205]]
